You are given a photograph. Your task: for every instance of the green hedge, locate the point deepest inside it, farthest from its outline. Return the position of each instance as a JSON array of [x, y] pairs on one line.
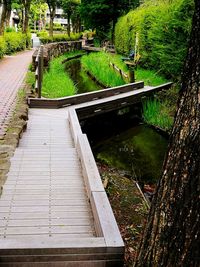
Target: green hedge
[[2, 46], [60, 38], [162, 29], [13, 41]]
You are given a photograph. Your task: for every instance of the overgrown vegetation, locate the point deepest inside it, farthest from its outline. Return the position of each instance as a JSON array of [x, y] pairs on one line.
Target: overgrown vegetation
[[159, 31], [160, 111], [150, 77], [98, 65], [56, 81]]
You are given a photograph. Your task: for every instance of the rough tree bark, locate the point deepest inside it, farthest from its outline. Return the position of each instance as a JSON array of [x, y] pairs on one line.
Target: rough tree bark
[[172, 235]]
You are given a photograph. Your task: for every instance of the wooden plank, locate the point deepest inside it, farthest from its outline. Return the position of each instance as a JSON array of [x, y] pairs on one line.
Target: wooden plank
[[47, 245], [44, 215], [90, 171], [45, 222], [107, 220], [59, 258], [77, 99], [74, 124], [62, 229], [60, 264]]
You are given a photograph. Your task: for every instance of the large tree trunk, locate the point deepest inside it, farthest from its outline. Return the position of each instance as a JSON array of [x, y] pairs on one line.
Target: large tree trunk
[[8, 13], [172, 234], [3, 17]]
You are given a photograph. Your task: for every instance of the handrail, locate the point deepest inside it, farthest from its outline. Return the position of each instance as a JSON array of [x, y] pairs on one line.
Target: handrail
[[78, 99], [39, 70], [104, 220]]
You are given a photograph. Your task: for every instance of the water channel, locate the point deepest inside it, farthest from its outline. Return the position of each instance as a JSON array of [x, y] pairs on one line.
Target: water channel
[[82, 81], [119, 138]]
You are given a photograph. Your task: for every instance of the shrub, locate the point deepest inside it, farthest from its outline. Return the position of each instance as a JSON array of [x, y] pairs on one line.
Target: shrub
[[162, 29], [14, 42], [43, 34], [60, 38], [10, 29], [56, 27], [2, 46]]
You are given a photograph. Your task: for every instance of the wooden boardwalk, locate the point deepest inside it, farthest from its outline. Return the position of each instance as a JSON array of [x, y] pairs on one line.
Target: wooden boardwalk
[[53, 210]]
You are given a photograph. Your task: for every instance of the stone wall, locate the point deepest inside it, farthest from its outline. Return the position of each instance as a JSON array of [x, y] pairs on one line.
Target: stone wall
[[56, 49]]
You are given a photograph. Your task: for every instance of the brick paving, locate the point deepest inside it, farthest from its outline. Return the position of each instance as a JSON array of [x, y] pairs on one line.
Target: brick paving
[[12, 73]]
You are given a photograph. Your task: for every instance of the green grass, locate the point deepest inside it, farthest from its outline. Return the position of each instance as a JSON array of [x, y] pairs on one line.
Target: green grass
[[98, 65], [157, 114], [150, 77], [56, 81], [30, 78]]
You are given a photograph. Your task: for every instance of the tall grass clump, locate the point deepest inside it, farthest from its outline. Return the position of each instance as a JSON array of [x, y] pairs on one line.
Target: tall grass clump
[[155, 113], [150, 77], [98, 65], [56, 81], [162, 30]]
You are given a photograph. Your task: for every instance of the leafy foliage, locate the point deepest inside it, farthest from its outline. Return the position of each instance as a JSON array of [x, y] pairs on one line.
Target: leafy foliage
[[161, 29], [59, 38], [2, 46], [103, 14]]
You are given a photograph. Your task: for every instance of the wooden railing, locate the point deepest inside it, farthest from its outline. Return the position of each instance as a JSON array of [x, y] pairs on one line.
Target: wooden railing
[[78, 99], [39, 71], [130, 77], [104, 220], [121, 72]]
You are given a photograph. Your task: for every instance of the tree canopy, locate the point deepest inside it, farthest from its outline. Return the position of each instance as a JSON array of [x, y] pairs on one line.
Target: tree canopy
[[103, 14]]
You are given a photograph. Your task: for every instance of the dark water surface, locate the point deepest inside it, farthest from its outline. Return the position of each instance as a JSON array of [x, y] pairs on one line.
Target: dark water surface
[[126, 144], [82, 81]]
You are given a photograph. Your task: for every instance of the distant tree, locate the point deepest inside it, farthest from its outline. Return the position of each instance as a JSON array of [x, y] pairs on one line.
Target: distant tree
[[172, 235], [52, 4], [103, 14], [26, 5], [70, 8], [38, 12]]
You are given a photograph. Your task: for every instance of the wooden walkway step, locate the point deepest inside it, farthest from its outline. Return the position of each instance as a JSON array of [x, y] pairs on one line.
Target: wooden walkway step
[[52, 210]]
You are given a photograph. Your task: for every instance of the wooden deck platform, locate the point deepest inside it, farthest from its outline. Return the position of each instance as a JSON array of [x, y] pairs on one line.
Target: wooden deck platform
[[54, 210]]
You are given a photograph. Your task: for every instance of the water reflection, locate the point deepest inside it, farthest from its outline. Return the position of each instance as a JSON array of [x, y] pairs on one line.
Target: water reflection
[[139, 150], [82, 81]]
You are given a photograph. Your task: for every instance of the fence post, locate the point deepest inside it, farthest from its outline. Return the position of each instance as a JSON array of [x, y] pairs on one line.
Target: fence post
[[40, 70]]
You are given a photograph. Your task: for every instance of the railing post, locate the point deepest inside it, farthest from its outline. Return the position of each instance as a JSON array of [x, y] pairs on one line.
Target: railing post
[[40, 70]]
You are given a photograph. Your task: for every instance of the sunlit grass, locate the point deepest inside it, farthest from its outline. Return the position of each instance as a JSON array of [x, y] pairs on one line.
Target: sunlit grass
[[56, 81], [98, 65], [150, 77]]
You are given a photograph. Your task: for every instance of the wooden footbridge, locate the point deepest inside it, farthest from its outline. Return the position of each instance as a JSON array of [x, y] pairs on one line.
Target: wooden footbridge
[[53, 209]]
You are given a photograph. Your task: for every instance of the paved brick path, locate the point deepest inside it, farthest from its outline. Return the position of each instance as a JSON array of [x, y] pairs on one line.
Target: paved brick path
[[12, 73]]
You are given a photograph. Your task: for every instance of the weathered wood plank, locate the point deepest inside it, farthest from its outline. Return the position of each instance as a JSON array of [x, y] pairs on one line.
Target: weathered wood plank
[[107, 220], [82, 98], [90, 171]]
